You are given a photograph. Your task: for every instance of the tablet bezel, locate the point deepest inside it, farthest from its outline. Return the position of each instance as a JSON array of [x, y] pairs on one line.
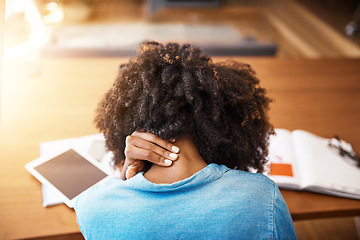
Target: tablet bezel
[[31, 167]]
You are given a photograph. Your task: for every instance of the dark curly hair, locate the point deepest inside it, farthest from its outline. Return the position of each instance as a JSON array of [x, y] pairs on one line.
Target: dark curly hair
[[173, 90]]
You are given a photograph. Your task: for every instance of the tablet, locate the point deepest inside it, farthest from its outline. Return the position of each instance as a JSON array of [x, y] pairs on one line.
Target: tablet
[[68, 174]]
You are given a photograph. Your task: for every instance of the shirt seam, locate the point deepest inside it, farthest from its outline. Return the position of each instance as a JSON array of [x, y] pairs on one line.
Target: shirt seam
[[216, 177], [255, 175], [273, 212]]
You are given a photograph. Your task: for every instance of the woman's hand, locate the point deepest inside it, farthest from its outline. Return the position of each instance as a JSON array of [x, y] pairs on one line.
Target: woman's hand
[[142, 146]]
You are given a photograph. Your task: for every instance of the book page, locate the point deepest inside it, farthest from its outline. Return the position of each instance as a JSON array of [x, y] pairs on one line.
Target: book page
[[322, 168], [282, 160]]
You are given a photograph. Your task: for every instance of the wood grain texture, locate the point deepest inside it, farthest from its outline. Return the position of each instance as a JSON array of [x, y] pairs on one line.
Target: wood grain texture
[[58, 101], [327, 228]]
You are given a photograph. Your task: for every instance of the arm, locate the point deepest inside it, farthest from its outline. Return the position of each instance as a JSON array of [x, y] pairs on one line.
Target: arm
[[283, 224], [141, 147]]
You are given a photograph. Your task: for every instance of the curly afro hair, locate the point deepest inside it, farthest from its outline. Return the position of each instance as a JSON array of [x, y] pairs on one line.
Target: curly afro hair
[[173, 90]]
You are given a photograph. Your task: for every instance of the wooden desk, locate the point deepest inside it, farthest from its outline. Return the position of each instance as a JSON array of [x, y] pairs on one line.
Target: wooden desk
[[56, 98]]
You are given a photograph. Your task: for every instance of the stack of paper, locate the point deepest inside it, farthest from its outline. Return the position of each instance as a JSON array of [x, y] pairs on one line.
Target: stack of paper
[[93, 145]]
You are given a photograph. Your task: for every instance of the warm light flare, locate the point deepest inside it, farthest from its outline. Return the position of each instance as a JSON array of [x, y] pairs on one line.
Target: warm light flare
[[34, 28], [55, 15]]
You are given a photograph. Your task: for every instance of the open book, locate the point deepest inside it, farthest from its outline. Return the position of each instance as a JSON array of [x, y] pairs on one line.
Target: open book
[[300, 160]]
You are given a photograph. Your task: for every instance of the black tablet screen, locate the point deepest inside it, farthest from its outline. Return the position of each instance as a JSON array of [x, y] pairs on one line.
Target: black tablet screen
[[70, 173]]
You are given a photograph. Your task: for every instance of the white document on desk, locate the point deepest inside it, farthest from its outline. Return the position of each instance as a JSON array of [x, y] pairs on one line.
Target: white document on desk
[[94, 145], [301, 160]]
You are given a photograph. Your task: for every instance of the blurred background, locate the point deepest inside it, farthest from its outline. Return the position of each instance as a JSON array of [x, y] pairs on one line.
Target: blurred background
[[40, 29], [277, 28]]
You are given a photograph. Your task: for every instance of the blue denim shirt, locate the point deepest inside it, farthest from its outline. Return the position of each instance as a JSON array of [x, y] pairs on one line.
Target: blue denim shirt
[[215, 203]]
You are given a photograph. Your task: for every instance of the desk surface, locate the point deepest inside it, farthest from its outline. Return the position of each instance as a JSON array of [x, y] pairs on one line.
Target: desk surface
[[56, 98]]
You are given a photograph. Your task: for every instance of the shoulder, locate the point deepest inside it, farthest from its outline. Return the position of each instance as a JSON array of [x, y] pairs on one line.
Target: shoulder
[[264, 195], [233, 181], [96, 192], [245, 188], [105, 185], [257, 188], [253, 180]]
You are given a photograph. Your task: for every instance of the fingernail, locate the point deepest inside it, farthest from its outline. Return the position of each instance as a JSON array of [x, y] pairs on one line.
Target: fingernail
[[175, 149], [173, 155], [168, 162]]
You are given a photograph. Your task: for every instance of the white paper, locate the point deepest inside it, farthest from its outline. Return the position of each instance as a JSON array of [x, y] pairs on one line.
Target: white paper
[[324, 167], [317, 167], [281, 151], [94, 145]]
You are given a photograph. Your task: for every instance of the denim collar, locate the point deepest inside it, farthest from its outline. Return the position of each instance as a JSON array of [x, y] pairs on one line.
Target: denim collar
[[210, 173]]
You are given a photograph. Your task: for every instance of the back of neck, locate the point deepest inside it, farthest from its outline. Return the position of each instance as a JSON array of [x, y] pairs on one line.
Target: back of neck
[[188, 163]]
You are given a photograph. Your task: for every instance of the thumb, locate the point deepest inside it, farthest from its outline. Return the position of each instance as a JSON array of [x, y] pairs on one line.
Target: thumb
[[132, 171]]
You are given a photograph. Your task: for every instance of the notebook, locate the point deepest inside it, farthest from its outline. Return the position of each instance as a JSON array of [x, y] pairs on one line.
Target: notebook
[[300, 160]]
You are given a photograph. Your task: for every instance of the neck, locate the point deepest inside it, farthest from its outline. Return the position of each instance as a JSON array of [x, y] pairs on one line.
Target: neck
[[188, 163]]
